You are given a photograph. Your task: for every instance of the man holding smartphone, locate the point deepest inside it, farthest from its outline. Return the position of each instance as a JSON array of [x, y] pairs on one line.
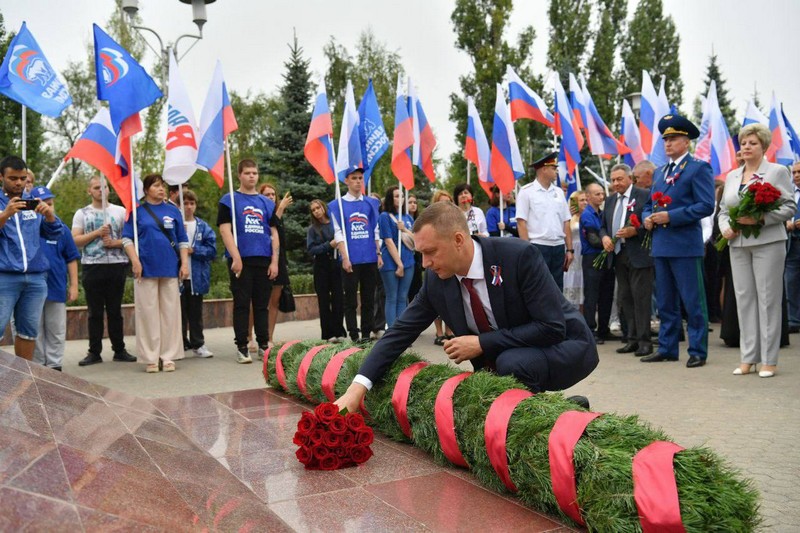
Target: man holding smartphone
[[23, 271]]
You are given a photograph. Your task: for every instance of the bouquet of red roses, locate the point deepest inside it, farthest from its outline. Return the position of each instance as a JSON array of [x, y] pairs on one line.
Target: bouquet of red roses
[[330, 440], [600, 260], [759, 198], [660, 201]]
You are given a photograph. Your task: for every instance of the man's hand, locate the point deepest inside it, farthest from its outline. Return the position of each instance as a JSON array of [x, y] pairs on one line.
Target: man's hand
[[648, 223], [463, 348], [351, 399], [105, 230], [14, 206], [501, 226], [72, 293], [347, 266], [626, 233], [236, 266], [46, 211], [608, 244], [380, 261], [659, 217], [568, 258]]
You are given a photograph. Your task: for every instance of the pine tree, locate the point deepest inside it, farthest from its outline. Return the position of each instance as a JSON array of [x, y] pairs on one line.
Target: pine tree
[[713, 73], [479, 28], [652, 43], [284, 162], [569, 36], [601, 80]]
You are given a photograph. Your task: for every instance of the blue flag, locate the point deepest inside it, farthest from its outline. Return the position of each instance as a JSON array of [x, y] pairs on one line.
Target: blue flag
[[374, 141], [26, 77], [121, 80], [794, 140]]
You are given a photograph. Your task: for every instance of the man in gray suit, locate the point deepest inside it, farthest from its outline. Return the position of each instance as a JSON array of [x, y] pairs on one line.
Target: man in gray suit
[[633, 265]]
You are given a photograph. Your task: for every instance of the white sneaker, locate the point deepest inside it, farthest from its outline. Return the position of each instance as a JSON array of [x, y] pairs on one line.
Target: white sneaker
[[244, 358], [203, 352]]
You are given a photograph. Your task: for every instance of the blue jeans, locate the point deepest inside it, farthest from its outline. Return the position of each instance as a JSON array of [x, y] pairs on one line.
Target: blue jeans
[[396, 290], [24, 296], [791, 277]]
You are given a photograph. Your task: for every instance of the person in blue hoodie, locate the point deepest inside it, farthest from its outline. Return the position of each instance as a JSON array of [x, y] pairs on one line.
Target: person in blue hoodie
[[202, 250], [23, 275], [63, 256]]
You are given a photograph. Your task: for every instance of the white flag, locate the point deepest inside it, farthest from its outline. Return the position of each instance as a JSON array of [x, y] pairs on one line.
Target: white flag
[[179, 163]]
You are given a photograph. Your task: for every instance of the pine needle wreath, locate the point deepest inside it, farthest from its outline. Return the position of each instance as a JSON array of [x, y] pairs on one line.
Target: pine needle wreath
[[712, 495]]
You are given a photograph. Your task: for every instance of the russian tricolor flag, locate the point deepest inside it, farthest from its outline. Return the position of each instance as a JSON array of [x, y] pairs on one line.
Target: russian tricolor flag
[[476, 146], [349, 140], [216, 123], [648, 121], [579, 104], [753, 115], [601, 140], [629, 136], [524, 102], [571, 138], [319, 146], [424, 141], [403, 140], [506, 162], [794, 140], [780, 151], [715, 145]]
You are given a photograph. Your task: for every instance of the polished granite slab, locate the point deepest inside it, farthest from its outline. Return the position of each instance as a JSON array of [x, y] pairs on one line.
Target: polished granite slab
[[75, 456]]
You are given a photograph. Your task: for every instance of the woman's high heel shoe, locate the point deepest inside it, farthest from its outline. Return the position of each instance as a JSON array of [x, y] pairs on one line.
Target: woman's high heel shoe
[[766, 373], [739, 372]]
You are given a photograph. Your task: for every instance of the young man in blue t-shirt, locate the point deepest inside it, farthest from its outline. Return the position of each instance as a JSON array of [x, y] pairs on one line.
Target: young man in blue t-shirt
[[361, 257], [252, 256]]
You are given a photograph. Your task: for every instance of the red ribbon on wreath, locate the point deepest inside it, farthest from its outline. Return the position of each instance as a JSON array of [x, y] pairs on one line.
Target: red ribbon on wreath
[[279, 372], [445, 420], [655, 490], [331, 373], [400, 395], [561, 448], [265, 370], [496, 430], [305, 364]]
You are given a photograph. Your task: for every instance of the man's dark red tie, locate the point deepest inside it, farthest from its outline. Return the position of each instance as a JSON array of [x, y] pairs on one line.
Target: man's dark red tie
[[478, 312]]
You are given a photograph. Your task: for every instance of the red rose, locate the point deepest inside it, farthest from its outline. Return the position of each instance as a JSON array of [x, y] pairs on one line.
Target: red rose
[[331, 440], [337, 425], [331, 462], [320, 451], [316, 436], [347, 440], [635, 222], [364, 437], [301, 439], [326, 412], [341, 452], [360, 454], [307, 422], [304, 454], [354, 421], [657, 196]]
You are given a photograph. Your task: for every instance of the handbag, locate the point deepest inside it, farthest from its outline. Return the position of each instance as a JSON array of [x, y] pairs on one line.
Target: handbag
[[286, 302]]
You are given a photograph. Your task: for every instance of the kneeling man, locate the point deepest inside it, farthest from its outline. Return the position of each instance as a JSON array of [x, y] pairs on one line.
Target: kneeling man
[[498, 296]]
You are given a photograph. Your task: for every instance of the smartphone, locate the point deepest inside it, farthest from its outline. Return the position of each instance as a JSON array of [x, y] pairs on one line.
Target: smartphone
[[30, 205]]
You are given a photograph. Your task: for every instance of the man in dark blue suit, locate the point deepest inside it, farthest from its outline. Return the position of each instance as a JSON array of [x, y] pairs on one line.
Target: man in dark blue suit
[[501, 302], [677, 246]]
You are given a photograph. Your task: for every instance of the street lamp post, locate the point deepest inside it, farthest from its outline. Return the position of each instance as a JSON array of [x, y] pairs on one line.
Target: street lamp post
[[636, 103]]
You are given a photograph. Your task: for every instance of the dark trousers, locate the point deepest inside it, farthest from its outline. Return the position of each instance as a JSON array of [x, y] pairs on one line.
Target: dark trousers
[[330, 298], [364, 277], [554, 259], [104, 286], [598, 295], [191, 317], [680, 279], [252, 287], [379, 322], [634, 297]]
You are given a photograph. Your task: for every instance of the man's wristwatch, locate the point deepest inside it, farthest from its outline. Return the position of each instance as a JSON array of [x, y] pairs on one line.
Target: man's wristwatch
[[571, 251]]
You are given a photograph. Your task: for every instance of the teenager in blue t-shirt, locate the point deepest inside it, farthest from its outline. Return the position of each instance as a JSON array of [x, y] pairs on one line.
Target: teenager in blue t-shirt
[[509, 223], [162, 258], [252, 256], [398, 257], [360, 256]]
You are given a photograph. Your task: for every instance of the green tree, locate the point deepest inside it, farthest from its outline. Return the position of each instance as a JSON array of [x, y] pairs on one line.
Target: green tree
[[713, 73], [569, 36], [480, 27], [602, 82], [652, 43], [11, 124]]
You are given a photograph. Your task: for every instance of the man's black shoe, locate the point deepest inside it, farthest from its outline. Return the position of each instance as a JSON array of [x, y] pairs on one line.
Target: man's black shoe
[[645, 349], [794, 329], [124, 357], [628, 348], [363, 341], [599, 340], [694, 362], [56, 368], [582, 401], [657, 358], [90, 359]]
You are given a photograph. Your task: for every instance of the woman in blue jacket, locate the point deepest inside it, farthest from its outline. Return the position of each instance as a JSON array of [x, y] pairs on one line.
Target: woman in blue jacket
[[397, 251], [162, 258]]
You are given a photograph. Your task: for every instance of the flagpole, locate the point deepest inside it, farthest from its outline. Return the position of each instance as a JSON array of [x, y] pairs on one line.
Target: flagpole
[[24, 134], [230, 189], [501, 211], [400, 217], [55, 174], [104, 198], [468, 172], [578, 178], [603, 172], [134, 199], [180, 196]]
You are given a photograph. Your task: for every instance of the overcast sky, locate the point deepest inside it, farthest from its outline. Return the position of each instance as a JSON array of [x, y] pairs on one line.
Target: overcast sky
[[756, 42]]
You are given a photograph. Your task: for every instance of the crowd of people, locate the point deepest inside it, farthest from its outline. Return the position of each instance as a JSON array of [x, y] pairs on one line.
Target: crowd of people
[[625, 256]]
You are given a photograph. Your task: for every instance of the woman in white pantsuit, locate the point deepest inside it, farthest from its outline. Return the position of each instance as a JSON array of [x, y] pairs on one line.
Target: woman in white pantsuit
[[757, 262]]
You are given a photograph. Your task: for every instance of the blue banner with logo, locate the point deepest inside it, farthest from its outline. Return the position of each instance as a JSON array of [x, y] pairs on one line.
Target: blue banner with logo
[[374, 141], [27, 77]]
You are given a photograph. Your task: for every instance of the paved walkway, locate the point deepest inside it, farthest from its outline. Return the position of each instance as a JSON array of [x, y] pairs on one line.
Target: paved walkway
[[753, 422]]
